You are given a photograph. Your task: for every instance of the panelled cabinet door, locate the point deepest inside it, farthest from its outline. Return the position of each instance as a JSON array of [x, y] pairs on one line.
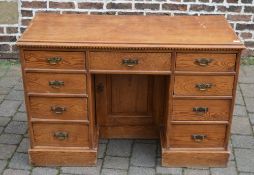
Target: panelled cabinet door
[[124, 106]]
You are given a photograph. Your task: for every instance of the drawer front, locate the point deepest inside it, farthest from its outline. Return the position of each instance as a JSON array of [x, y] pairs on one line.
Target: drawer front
[[205, 62], [58, 108], [60, 134], [56, 83], [201, 110], [130, 61], [197, 136], [204, 85], [54, 60]]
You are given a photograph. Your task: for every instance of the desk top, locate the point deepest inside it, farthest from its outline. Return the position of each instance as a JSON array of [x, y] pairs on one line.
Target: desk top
[[125, 31]]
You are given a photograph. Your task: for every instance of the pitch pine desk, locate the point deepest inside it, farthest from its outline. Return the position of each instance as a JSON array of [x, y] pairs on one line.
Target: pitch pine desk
[[148, 77]]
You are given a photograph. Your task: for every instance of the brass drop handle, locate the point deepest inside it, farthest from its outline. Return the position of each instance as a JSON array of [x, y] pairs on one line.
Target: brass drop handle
[[61, 135], [203, 61], [203, 86], [130, 62], [58, 109], [200, 110], [199, 137], [54, 60], [56, 84]]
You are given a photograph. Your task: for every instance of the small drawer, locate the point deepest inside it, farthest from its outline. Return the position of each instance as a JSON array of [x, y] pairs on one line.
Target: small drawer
[[204, 85], [130, 61], [60, 134], [54, 60], [60, 108], [201, 110], [205, 62], [197, 136], [55, 83]]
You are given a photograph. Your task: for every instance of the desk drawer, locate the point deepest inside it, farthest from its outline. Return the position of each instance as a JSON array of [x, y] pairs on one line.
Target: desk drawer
[[130, 61], [201, 110], [56, 83], [54, 60], [197, 136], [73, 108], [60, 134], [205, 62], [204, 85]]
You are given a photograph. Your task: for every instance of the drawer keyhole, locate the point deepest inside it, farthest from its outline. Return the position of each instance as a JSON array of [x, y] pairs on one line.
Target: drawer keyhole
[[100, 87]]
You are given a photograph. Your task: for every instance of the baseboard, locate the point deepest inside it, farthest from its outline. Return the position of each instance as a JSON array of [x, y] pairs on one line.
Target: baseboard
[[194, 158], [62, 157]]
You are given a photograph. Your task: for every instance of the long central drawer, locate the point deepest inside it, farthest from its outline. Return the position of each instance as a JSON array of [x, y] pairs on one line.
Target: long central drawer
[[131, 61]]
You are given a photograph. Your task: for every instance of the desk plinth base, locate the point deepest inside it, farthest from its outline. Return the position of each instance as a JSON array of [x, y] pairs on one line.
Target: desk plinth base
[[63, 157], [194, 158]]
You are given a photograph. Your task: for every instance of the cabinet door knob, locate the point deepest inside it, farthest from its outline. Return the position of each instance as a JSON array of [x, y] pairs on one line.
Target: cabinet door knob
[[61, 135], [58, 109], [54, 60], [56, 84], [130, 62], [203, 61], [203, 86], [199, 137], [200, 110]]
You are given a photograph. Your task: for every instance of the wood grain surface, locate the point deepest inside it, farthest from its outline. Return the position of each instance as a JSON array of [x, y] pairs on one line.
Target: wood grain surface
[[63, 157], [39, 82], [146, 61], [219, 62], [75, 108], [78, 135], [221, 85], [101, 30], [195, 158], [217, 110], [69, 60], [181, 136]]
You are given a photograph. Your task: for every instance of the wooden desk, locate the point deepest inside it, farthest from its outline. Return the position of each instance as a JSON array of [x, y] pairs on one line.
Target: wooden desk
[[148, 77]]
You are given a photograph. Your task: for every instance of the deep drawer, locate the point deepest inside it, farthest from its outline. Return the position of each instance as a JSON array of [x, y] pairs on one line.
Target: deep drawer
[[197, 136], [54, 60], [60, 134], [204, 85], [203, 110], [205, 62], [130, 61], [55, 83], [59, 108]]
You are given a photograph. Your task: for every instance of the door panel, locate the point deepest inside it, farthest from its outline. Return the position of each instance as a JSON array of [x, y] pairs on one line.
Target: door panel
[[130, 95], [124, 104]]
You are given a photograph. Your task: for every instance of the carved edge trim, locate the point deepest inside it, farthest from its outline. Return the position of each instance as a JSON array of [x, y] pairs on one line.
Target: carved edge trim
[[131, 47]]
